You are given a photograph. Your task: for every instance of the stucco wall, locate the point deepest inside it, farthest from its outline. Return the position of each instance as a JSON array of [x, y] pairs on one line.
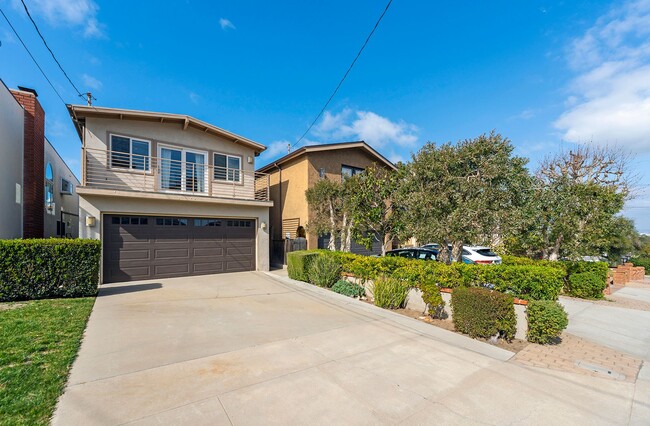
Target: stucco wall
[[11, 164], [62, 202], [288, 195], [96, 206]]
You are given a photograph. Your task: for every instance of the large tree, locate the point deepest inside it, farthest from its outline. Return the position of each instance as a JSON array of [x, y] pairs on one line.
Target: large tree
[[469, 192], [574, 203], [372, 201], [325, 203]]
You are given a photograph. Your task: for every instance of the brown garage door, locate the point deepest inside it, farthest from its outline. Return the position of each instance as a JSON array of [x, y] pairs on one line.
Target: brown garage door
[[147, 247]]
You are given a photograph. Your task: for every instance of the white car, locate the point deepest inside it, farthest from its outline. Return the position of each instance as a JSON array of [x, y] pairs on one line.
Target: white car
[[481, 255]]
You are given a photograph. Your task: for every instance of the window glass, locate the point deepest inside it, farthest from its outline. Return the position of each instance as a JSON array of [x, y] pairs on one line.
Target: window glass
[[349, 171], [120, 150], [486, 252], [220, 164], [233, 168], [140, 155], [49, 173], [66, 186]]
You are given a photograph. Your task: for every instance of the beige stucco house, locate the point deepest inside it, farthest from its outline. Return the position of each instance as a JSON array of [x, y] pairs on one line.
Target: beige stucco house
[[170, 195], [293, 174]]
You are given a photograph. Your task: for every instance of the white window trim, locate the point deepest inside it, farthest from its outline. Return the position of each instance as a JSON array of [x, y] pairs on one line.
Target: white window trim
[[130, 168], [183, 189], [228, 156]]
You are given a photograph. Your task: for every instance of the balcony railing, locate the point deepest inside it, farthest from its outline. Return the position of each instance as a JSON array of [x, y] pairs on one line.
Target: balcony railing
[[132, 172]]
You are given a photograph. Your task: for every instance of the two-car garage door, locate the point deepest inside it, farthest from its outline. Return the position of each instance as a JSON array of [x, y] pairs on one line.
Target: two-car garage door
[[149, 247]]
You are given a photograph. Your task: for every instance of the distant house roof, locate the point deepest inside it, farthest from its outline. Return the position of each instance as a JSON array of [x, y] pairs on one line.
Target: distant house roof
[[82, 111], [328, 147]]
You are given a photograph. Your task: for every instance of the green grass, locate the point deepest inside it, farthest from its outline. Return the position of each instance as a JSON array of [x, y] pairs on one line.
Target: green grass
[[38, 343]]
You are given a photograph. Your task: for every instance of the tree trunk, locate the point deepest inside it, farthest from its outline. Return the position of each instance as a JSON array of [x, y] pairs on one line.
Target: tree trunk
[[332, 242], [555, 250], [348, 237], [344, 232], [457, 251]]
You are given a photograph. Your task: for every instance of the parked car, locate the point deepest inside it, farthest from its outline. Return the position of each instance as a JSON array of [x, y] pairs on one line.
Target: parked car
[[481, 255], [471, 254], [414, 253]]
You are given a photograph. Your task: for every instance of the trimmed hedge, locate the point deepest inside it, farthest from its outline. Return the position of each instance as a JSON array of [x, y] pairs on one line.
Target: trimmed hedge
[[546, 321], [480, 312], [298, 264], [586, 285], [349, 289], [48, 268]]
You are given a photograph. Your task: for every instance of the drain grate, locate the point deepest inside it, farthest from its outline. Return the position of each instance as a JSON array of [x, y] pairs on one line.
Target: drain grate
[[600, 370]]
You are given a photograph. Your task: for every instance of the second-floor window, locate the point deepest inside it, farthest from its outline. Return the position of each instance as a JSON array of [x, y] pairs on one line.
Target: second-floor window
[[130, 153], [227, 167], [349, 171]]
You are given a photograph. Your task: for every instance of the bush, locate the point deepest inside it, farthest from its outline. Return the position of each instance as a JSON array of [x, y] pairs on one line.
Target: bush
[[349, 289], [298, 264], [48, 268], [480, 312], [586, 285], [600, 269], [389, 293], [641, 261], [323, 271], [546, 320]]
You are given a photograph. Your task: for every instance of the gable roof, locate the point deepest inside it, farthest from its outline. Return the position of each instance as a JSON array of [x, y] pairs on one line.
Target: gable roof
[[82, 111], [328, 147]]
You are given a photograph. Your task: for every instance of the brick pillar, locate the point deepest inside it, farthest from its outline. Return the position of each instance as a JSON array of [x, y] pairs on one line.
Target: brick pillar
[[33, 164]]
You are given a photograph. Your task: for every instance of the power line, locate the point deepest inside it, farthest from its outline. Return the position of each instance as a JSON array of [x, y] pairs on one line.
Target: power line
[[32, 56], [48, 48], [344, 76]]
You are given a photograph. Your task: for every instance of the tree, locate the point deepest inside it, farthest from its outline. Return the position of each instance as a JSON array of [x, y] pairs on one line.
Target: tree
[[576, 198], [468, 192], [325, 202], [372, 200]]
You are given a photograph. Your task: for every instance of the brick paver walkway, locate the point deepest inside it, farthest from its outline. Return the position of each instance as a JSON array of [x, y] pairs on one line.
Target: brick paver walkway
[[581, 356]]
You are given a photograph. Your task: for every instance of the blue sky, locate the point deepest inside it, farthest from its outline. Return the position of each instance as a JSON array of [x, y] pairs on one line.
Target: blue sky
[[545, 74]]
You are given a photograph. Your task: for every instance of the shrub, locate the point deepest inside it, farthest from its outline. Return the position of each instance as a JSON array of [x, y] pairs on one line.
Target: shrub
[[298, 264], [586, 285], [600, 269], [323, 271], [349, 289], [48, 268], [642, 261], [546, 320], [480, 312], [389, 293]]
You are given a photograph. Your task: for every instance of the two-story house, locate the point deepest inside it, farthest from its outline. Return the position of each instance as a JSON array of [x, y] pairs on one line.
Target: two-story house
[[170, 195], [293, 174]]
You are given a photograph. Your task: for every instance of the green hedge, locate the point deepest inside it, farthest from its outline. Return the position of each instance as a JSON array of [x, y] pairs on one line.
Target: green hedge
[[546, 321], [48, 268], [298, 264], [642, 261], [480, 312], [586, 285]]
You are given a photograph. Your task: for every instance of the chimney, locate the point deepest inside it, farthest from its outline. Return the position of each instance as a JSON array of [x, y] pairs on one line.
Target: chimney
[[33, 162]]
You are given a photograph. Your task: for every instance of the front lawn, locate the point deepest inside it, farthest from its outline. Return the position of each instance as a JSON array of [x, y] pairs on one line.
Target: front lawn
[[38, 342]]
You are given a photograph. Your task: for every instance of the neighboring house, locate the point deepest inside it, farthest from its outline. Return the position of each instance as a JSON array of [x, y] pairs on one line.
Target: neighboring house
[[294, 173], [170, 195], [38, 195]]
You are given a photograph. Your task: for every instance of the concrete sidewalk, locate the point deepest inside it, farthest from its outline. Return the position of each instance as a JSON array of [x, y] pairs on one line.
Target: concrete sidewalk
[[249, 348]]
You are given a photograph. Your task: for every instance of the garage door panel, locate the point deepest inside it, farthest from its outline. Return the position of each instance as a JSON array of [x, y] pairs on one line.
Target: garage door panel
[[178, 253], [149, 247]]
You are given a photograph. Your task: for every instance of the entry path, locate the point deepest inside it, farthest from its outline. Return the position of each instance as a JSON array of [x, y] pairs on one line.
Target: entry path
[[252, 348]]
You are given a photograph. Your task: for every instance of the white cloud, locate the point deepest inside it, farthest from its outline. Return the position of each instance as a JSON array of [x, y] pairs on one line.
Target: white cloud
[[371, 127], [226, 24], [610, 96], [91, 82], [74, 13]]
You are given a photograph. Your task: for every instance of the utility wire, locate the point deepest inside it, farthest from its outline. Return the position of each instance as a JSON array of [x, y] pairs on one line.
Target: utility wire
[[48, 48], [344, 76], [32, 56]]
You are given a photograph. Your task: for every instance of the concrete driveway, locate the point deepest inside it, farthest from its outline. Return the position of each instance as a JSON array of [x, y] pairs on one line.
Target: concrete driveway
[[249, 348]]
